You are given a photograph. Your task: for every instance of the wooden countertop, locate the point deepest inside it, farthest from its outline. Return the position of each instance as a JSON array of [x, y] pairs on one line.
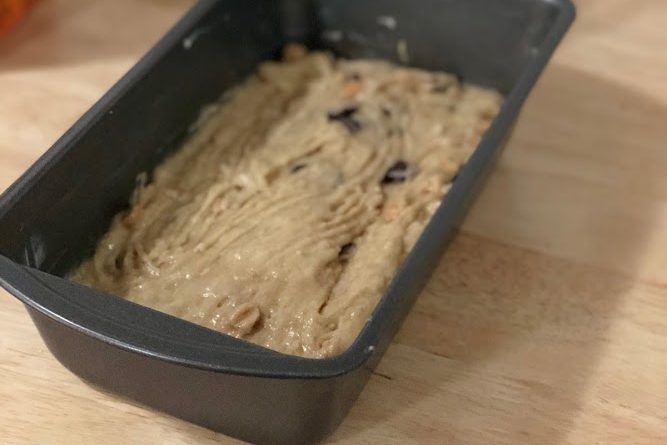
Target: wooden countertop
[[546, 321]]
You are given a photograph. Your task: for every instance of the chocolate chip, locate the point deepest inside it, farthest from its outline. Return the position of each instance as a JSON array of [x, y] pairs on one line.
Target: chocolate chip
[[353, 76], [347, 251], [345, 112], [295, 168], [386, 112], [398, 172], [346, 117]]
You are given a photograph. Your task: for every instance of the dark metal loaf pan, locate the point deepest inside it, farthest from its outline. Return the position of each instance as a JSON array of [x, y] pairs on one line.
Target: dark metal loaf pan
[[52, 217]]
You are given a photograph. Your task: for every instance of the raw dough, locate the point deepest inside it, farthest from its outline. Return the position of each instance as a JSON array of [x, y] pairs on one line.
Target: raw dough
[[284, 217]]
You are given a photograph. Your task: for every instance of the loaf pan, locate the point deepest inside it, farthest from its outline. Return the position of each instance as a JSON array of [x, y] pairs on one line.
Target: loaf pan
[[52, 217]]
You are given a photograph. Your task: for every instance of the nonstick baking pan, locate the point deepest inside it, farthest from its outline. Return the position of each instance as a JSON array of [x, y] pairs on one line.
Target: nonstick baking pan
[[52, 217]]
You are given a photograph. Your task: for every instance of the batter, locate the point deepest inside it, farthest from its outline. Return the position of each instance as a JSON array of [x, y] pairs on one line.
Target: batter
[[284, 217]]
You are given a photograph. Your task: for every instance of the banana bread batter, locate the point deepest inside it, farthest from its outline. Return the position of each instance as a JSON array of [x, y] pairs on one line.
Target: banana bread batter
[[284, 217]]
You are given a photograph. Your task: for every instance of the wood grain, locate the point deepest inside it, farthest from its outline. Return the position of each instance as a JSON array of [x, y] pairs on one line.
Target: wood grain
[[546, 321]]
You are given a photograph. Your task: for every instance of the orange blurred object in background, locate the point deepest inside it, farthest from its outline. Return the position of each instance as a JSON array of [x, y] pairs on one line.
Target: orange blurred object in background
[[11, 13]]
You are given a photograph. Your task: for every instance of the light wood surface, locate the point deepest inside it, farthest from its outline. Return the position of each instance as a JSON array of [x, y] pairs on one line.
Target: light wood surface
[[546, 321]]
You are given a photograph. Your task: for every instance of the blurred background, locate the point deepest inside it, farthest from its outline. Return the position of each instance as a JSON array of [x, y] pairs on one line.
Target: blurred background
[[57, 57], [11, 13]]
